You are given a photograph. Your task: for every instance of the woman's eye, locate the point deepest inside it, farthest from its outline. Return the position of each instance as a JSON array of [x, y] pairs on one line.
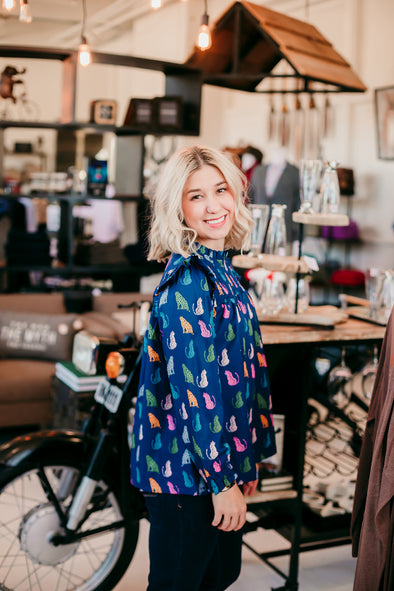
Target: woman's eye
[[196, 197], [222, 189]]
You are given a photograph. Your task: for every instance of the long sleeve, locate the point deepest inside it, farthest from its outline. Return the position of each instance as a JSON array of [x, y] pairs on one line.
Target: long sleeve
[[186, 320]]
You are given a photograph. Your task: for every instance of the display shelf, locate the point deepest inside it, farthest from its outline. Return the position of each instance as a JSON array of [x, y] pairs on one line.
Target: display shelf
[[120, 130], [74, 198], [320, 219], [275, 495], [271, 262], [181, 81]]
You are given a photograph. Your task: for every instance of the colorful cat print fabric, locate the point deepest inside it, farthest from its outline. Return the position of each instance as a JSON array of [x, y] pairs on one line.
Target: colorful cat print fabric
[[203, 415]]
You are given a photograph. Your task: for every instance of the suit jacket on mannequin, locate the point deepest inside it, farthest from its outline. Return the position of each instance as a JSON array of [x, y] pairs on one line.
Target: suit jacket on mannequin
[[286, 192], [372, 526]]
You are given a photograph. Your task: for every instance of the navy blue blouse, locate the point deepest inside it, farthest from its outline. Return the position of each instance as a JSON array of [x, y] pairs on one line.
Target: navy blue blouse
[[203, 414]]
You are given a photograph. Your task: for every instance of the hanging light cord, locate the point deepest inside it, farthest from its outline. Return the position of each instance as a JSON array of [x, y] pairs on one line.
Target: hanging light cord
[[83, 21]]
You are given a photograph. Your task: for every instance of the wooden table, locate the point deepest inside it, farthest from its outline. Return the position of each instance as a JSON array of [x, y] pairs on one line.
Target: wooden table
[[350, 330]]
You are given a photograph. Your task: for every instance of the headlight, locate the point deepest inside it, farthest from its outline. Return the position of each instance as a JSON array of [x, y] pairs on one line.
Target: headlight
[[90, 352]]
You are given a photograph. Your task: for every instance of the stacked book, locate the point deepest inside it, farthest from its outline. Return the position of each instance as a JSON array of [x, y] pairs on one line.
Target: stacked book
[[76, 379]]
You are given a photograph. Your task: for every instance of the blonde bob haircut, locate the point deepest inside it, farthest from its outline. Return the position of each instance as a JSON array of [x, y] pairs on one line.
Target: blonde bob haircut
[[168, 232]]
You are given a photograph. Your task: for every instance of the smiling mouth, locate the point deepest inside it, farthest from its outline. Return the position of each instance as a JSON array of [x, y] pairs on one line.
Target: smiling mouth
[[216, 221]]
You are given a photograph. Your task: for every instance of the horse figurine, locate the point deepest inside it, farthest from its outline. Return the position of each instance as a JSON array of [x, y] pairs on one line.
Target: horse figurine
[[7, 81]]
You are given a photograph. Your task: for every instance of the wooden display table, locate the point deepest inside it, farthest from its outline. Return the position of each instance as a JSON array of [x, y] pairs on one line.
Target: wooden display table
[[350, 330]]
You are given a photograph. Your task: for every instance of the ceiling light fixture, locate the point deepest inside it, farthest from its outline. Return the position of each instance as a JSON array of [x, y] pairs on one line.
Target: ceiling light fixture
[[25, 13], [84, 55], [155, 4], [204, 39]]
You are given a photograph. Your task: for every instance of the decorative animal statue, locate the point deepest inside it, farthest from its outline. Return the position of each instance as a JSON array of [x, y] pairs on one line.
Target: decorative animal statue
[[7, 81]]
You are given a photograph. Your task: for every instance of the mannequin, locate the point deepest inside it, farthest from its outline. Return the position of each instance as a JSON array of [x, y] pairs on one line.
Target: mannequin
[[250, 159], [278, 182]]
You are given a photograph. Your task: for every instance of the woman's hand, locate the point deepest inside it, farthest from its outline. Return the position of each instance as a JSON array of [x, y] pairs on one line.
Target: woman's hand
[[249, 488], [230, 509]]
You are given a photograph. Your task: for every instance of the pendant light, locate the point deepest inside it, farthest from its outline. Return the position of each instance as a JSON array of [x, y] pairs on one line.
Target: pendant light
[[84, 55], [25, 14], [155, 4], [8, 5], [204, 39]]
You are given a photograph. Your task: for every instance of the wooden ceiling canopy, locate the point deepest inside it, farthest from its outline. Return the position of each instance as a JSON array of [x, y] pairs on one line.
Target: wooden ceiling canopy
[[249, 41]]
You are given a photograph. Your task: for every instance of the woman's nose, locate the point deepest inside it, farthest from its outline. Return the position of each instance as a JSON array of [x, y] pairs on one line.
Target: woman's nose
[[212, 204]]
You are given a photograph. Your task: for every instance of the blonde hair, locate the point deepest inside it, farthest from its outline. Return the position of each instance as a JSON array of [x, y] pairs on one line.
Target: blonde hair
[[168, 232]]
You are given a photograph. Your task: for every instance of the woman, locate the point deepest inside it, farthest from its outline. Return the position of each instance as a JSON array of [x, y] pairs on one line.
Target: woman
[[203, 414]]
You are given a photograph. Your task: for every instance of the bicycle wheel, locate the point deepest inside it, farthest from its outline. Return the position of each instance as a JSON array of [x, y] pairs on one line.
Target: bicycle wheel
[[29, 561]]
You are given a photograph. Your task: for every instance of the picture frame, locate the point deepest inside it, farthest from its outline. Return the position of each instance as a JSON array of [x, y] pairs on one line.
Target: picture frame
[[168, 112], [384, 113], [103, 112], [140, 113]]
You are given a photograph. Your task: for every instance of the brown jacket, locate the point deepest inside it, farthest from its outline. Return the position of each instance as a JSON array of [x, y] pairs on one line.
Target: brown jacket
[[372, 526]]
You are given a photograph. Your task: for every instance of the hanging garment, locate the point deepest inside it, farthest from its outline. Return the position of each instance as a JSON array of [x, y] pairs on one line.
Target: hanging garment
[[283, 188], [372, 523]]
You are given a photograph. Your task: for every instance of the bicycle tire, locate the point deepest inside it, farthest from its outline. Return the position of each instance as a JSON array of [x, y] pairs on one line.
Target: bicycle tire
[[28, 559]]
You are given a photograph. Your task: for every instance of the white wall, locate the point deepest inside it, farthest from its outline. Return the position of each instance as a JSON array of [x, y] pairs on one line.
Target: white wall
[[362, 32]]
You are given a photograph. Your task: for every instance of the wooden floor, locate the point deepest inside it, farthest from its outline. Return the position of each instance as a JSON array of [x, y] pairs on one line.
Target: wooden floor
[[322, 570]]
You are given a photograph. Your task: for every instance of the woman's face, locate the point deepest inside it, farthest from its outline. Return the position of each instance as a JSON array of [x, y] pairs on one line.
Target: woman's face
[[208, 206]]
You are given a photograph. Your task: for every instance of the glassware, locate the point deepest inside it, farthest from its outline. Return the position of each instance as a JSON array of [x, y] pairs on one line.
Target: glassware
[[374, 280], [303, 294], [329, 190], [388, 293], [260, 217], [310, 171], [368, 374], [339, 379], [272, 294], [276, 241]]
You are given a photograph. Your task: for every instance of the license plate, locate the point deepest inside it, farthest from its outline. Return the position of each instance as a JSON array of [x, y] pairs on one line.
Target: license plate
[[108, 395]]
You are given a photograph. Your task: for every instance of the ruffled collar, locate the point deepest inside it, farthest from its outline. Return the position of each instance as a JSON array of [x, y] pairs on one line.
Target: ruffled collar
[[204, 256]]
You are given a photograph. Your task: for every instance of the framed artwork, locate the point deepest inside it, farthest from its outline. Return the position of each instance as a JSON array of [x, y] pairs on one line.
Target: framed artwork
[[140, 113], [384, 111], [103, 112]]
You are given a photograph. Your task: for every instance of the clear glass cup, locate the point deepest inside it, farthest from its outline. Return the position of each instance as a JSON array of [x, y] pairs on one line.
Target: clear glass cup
[[329, 190], [260, 213], [310, 172], [272, 295], [303, 294], [388, 293], [374, 280], [276, 241]]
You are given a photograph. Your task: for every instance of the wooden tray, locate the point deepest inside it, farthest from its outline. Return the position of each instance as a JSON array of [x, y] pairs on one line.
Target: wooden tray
[[271, 262], [362, 313], [323, 316], [321, 219]]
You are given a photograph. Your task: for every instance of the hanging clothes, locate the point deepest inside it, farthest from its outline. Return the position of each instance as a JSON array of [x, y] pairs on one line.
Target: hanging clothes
[[278, 182], [372, 525]]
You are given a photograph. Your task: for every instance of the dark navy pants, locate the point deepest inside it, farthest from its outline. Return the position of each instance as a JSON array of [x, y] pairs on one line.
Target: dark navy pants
[[186, 552]]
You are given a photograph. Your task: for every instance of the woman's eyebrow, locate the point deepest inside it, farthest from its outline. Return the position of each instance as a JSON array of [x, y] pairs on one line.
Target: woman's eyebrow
[[215, 185]]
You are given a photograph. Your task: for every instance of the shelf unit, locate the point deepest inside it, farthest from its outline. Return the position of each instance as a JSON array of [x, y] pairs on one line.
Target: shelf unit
[[180, 80], [284, 511]]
